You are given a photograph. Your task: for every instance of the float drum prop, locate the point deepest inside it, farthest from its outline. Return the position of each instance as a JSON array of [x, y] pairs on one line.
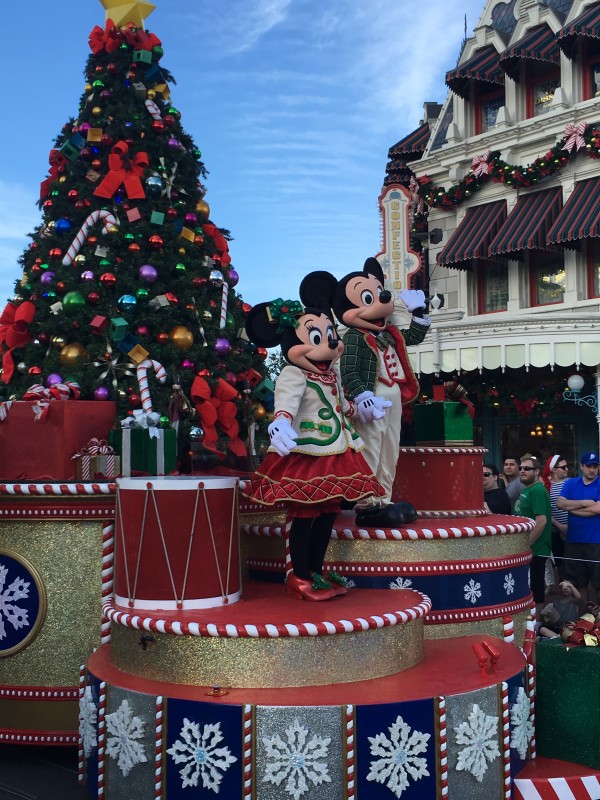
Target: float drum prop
[[177, 543]]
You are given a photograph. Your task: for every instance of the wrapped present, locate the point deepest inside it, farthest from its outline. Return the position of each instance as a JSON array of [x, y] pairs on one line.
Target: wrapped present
[[568, 701], [96, 461], [148, 451], [443, 424], [41, 449]]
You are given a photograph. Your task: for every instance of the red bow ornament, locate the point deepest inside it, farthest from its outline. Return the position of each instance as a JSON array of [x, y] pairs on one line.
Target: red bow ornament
[[139, 39], [574, 136], [217, 408], [104, 39], [14, 332], [586, 631], [220, 243], [124, 170], [58, 162]]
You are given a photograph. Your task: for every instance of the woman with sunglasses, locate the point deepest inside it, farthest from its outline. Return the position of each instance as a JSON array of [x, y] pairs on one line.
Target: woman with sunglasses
[[556, 471]]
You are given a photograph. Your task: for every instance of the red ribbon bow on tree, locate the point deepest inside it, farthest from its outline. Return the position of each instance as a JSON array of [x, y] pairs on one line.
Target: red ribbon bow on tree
[[124, 170], [104, 39], [139, 39], [220, 243], [217, 408], [58, 161], [14, 332]]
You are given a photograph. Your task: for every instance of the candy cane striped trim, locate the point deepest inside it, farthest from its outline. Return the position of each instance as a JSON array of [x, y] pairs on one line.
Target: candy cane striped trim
[[462, 512], [349, 713], [108, 553], [248, 727], [108, 221], [142, 379], [443, 746], [531, 694], [585, 788], [80, 750], [508, 630], [101, 737], [277, 530], [506, 740], [469, 615], [224, 296], [40, 692], [158, 745], [56, 489], [412, 534], [288, 553], [455, 450], [267, 630], [11, 736]]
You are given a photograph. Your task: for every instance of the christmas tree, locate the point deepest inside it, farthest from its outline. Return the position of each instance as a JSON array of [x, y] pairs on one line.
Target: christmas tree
[[127, 282]]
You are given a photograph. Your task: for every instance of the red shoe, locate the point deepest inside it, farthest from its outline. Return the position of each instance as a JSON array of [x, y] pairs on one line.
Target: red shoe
[[338, 584], [305, 589]]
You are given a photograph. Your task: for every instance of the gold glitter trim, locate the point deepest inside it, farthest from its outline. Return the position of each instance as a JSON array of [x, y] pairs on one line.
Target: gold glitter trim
[[41, 590], [40, 715], [264, 663], [486, 627]]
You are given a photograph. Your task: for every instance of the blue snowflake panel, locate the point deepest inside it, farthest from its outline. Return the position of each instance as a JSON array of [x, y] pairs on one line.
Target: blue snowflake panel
[[204, 750], [20, 603], [395, 748]]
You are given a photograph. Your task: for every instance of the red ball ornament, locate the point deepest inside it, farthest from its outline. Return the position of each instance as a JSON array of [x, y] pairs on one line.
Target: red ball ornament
[[48, 204], [262, 352], [92, 240], [170, 121], [213, 303], [107, 140], [56, 254], [158, 126], [93, 298], [135, 401], [108, 279], [72, 195], [60, 287], [246, 308], [162, 337], [35, 370], [198, 282], [142, 330], [111, 68], [172, 298], [36, 268], [133, 247], [171, 213], [156, 242], [44, 338], [96, 163], [198, 239], [203, 373]]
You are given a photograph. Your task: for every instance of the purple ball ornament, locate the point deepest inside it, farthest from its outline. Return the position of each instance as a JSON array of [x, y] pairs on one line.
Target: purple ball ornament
[[232, 278], [101, 393], [88, 275], [53, 379], [191, 218], [148, 273], [47, 278], [173, 143], [222, 347], [188, 364]]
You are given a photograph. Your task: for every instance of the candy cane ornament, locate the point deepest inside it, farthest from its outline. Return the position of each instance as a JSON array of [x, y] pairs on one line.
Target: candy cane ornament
[[142, 379], [109, 221], [153, 109], [224, 297]]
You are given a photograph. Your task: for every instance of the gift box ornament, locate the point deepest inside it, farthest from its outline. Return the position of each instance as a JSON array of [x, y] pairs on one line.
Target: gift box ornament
[[97, 460], [142, 57], [148, 451], [118, 329], [568, 701], [443, 424]]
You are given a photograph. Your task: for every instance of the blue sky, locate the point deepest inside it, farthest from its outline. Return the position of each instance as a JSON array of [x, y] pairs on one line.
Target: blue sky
[[293, 103]]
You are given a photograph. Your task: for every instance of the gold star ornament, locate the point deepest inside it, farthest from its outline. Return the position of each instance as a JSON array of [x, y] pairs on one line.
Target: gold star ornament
[[123, 11]]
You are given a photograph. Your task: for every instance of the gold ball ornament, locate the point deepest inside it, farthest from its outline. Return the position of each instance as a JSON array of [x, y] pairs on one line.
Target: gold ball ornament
[[202, 210], [150, 94], [181, 337], [58, 342], [72, 354], [96, 111], [259, 411]]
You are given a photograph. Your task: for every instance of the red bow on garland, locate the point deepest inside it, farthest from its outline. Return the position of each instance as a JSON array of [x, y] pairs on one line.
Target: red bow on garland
[[14, 332], [104, 39], [124, 170], [585, 631], [217, 408], [220, 242]]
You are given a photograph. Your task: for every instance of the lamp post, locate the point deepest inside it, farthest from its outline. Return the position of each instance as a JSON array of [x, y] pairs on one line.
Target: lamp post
[[575, 383]]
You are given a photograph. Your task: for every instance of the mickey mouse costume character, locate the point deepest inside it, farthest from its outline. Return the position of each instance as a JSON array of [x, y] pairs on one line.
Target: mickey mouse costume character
[[376, 373], [313, 462]]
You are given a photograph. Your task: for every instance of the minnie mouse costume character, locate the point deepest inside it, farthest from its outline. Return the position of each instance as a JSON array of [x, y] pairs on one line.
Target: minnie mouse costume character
[[313, 462], [376, 373]]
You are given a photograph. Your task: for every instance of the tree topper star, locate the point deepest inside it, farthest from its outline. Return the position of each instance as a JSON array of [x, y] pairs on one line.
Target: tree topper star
[[123, 11]]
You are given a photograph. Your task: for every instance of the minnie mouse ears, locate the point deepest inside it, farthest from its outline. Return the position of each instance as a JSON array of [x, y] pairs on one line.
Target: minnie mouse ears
[[266, 323]]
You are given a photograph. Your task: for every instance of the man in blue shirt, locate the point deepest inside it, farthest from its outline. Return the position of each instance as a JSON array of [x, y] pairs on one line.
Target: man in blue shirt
[[581, 498]]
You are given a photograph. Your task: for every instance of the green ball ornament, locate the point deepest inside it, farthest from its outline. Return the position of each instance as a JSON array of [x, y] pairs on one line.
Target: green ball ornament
[[142, 293], [164, 421], [180, 267], [73, 303], [129, 237], [229, 322]]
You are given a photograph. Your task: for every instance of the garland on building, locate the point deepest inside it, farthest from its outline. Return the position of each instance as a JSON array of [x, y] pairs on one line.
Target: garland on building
[[490, 167]]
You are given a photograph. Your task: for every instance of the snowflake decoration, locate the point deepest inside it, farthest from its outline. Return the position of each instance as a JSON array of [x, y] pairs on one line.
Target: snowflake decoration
[[509, 583], [399, 756], [9, 595], [350, 584], [401, 583], [522, 726], [198, 750], [123, 745], [88, 716], [480, 737], [472, 591], [296, 759]]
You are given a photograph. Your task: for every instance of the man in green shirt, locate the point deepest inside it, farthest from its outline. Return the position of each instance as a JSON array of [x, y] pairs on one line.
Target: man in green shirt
[[534, 502]]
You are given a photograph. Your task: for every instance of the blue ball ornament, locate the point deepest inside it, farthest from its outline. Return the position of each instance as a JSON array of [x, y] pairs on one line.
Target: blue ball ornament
[[62, 225], [127, 303]]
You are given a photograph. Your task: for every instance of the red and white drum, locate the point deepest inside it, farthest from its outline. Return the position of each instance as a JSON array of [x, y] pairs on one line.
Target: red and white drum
[[177, 543]]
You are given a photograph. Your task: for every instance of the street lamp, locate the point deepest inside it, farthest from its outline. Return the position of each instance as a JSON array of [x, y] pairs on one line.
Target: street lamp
[[573, 393]]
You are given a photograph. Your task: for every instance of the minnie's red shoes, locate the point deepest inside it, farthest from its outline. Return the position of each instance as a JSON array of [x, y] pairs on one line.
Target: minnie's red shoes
[[303, 589]]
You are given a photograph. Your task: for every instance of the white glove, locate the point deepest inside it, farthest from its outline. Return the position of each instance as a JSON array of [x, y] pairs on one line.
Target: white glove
[[413, 298], [283, 436], [370, 407]]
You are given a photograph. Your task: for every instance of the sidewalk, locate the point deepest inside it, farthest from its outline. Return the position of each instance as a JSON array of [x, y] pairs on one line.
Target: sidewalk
[[39, 773]]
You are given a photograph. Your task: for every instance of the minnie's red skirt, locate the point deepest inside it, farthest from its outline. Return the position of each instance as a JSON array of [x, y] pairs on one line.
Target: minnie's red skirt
[[312, 485]]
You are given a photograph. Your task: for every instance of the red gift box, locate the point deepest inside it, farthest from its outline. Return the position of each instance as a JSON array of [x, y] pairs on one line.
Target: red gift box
[[42, 450]]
